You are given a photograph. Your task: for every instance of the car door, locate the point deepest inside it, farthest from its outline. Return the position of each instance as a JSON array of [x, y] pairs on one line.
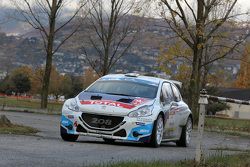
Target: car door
[[167, 103], [178, 109]]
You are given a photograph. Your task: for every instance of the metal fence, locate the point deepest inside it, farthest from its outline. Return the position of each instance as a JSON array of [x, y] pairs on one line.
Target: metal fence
[[203, 101]]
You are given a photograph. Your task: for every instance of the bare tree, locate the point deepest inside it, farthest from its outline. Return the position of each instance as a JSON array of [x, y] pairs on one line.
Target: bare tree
[[46, 16], [197, 23], [114, 32]]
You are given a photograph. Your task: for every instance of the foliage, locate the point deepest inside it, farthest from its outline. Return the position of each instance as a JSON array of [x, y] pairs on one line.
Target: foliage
[[26, 80], [168, 63], [243, 79], [36, 81], [59, 84], [89, 77], [220, 78], [21, 82], [7, 86], [199, 25], [214, 107]]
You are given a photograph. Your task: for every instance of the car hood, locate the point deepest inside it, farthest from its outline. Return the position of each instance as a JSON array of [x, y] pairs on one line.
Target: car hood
[[108, 104]]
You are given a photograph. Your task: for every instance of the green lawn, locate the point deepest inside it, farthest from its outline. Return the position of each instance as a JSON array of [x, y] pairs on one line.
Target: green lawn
[[227, 124], [240, 160], [28, 103]]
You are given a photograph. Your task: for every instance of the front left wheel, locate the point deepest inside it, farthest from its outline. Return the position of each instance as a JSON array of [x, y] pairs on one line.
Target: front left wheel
[[157, 133], [68, 137]]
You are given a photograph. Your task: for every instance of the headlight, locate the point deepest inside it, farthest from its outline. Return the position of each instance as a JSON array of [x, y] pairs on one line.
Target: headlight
[[142, 112], [72, 105]]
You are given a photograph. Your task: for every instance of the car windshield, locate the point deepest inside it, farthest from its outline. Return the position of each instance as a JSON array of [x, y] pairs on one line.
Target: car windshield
[[124, 88]]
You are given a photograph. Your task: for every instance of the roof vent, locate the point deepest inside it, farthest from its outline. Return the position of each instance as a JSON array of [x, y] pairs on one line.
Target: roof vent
[[132, 75]]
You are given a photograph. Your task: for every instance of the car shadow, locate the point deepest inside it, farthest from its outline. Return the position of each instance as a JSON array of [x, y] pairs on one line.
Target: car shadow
[[127, 144]]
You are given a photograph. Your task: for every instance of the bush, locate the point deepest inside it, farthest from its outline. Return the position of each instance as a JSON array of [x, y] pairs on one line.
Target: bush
[[214, 107]]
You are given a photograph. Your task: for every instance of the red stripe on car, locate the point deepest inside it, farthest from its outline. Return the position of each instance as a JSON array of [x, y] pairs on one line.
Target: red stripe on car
[[134, 103]]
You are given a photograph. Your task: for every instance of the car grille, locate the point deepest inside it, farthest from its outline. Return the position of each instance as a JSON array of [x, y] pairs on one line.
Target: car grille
[[102, 122]]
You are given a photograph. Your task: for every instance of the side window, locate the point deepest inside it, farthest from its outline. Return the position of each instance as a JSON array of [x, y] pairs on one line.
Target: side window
[[177, 95], [167, 93]]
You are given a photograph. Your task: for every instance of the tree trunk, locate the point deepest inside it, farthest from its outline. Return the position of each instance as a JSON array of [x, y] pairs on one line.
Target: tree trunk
[[49, 50], [46, 80], [194, 87]]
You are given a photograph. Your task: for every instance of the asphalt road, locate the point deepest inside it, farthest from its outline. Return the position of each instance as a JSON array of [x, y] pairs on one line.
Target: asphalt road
[[47, 149]]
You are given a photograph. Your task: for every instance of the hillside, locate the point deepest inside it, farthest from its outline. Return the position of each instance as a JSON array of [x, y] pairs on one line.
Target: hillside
[[154, 35]]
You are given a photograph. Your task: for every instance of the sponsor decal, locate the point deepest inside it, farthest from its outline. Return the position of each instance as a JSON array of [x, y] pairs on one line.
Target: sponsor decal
[[144, 119], [65, 121], [133, 104], [144, 130], [138, 101], [140, 123], [174, 111]]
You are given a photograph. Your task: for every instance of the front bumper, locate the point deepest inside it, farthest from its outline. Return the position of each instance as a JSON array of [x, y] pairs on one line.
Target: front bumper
[[130, 129]]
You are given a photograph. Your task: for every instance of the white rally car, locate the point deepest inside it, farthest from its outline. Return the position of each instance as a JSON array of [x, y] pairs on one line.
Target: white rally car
[[128, 107]]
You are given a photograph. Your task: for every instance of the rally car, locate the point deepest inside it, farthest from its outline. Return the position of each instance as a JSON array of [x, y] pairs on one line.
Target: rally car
[[129, 107]]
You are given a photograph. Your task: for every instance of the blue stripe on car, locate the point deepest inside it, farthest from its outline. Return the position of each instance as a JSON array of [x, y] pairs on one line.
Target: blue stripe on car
[[67, 124]]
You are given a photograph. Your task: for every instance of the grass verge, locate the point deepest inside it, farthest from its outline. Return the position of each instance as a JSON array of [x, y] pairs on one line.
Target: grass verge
[[236, 127], [27, 103], [239, 160], [6, 127], [17, 129]]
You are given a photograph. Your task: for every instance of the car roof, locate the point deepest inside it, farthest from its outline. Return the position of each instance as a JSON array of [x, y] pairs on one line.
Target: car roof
[[139, 78]]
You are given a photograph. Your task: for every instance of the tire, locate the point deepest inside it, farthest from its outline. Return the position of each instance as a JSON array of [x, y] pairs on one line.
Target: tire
[[68, 137], [110, 141], [157, 133], [185, 138]]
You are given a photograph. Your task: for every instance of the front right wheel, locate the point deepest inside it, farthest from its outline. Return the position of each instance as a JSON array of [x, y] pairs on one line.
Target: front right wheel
[[157, 133], [185, 138]]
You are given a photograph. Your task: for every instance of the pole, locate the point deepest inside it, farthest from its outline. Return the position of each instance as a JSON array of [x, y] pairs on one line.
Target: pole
[[203, 102]]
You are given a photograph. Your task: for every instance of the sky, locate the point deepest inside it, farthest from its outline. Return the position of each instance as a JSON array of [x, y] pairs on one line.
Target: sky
[[72, 4], [244, 3]]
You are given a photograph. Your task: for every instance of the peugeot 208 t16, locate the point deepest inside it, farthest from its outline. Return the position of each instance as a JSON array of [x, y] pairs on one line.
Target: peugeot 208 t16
[[128, 107]]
